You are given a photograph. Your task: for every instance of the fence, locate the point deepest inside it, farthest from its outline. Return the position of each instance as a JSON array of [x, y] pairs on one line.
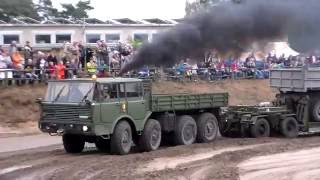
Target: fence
[[10, 77]]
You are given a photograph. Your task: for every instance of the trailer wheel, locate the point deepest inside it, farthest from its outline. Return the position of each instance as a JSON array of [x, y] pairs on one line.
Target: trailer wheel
[[289, 127], [103, 145], [207, 128], [151, 137], [73, 143], [315, 109], [186, 130], [121, 139], [260, 129]]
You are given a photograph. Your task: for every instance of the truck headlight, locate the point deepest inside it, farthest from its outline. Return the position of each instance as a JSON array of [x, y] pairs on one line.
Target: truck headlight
[[85, 128]]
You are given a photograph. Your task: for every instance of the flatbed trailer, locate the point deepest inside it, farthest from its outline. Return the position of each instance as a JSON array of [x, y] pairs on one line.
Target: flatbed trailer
[[295, 110]]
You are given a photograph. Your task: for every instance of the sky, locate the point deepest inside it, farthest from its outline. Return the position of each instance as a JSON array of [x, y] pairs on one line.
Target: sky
[[135, 9]]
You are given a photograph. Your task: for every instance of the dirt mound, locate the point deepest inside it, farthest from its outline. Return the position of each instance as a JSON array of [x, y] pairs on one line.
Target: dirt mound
[[18, 108], [241, 92]]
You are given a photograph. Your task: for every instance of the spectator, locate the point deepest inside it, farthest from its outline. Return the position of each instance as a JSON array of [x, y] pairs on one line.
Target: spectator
[[101, 53], [28, 52], [75, 52], [30, 70], [52, 58], [72, 69], [92, 67], [60, 70], [52, 70], [5, 60]]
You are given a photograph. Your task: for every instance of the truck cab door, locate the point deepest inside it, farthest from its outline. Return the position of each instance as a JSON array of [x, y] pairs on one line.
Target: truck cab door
[[110, 103], [135, 101]]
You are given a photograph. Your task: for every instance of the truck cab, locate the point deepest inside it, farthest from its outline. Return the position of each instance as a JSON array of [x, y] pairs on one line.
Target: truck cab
[[86, 108]]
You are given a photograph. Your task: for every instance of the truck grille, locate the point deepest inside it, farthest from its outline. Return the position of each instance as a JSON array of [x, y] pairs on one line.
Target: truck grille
[[58, 112]]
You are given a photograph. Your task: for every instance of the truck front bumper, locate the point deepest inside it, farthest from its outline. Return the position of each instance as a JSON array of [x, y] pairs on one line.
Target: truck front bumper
[[66, 127]]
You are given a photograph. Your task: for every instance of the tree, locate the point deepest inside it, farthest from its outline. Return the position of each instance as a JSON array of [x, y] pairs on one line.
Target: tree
[[15, 8], [46, 10], [76, 12], [198, 5]]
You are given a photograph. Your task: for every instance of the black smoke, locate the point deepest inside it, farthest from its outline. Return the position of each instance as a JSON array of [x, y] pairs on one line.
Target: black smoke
[[233, 28]]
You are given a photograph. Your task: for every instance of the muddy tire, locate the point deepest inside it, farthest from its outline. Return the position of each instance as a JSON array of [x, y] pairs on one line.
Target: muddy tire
[[185, 131], [315, 109], [289, 127], [207, 128], [260, 129], [121, 139], [103, 145], [73, 143], [151, 137]]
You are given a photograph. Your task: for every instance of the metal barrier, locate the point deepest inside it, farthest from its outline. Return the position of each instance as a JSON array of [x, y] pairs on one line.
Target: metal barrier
[[19, 77]]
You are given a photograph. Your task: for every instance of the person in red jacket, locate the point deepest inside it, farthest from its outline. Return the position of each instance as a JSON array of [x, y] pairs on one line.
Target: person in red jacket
[[60, 70]]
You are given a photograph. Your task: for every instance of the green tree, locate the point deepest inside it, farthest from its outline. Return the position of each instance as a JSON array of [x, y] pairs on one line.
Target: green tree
[[198, 5], [15, 8], [79, 11], [46, 10]]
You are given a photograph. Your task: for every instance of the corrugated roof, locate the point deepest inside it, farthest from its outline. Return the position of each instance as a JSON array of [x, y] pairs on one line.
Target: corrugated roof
[[90, 21]]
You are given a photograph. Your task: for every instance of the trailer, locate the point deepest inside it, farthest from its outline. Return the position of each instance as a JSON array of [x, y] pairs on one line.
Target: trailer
[[295, 110]]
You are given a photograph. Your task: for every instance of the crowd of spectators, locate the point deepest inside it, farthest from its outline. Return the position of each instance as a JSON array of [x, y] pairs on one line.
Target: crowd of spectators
[[103, 60], [76, 59]]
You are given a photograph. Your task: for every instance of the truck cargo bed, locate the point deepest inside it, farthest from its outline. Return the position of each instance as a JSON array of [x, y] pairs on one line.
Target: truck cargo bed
[[166, 102], [296, 79]]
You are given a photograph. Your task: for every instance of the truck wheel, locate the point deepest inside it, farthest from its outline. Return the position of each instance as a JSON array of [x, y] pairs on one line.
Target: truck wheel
[[151, 137], [103, 145], [186, 130], [73, 143], [121, 139], [289, 127], [207, 128], [315, 109], [260, 129]]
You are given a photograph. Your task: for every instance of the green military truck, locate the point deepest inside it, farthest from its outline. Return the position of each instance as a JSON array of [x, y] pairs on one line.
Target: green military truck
[[117, 113], [296, 109]]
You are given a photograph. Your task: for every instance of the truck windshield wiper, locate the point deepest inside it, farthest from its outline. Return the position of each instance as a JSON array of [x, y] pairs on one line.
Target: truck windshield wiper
[[59, 94], [86, 96]]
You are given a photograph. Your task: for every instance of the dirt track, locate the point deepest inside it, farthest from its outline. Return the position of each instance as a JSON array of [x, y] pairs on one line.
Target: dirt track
[[219, 160]]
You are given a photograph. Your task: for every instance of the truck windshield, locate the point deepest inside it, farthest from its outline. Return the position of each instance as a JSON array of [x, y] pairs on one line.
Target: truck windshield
[[72, 92]]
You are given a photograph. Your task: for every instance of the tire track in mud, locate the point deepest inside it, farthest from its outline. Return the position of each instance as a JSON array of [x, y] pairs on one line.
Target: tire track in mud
[[53, 163], [303, 164]]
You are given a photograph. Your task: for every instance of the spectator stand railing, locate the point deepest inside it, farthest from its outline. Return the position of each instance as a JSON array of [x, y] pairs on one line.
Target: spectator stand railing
[[19, 77]]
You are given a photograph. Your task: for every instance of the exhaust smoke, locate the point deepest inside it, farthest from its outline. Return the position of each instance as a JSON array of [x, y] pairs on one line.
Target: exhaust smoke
[[232, 28]]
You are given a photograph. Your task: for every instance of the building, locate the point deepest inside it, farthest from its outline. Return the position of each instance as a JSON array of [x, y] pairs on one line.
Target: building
[[54, 32]]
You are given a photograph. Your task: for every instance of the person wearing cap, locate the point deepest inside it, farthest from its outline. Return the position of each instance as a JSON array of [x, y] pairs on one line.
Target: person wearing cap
[[28, 52]]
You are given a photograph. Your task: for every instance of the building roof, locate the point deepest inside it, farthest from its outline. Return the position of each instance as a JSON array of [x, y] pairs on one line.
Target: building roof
[[91, 21]]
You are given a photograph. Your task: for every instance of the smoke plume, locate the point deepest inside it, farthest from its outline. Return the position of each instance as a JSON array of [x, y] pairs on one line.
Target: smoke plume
[[233, 28]]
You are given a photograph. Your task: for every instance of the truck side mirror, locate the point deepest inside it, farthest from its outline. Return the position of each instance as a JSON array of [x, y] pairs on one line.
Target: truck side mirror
[[39, 100]]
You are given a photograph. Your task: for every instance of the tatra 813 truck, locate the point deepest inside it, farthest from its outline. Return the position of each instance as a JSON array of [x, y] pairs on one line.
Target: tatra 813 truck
[[117, 113], [295, 110]]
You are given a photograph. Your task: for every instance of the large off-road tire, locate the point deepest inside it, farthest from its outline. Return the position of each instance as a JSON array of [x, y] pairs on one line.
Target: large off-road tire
[[289, 127], [315, 108], [208, 128], [121, 139], [185, 130], [151, 137], [103, 145], [260, 129], [73, 143]]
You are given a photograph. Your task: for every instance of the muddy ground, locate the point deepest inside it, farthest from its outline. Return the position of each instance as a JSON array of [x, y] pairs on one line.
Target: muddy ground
[[216, 161]]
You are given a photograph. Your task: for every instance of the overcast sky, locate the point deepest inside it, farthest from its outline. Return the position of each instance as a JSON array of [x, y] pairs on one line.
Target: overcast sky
[[136, 9]]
